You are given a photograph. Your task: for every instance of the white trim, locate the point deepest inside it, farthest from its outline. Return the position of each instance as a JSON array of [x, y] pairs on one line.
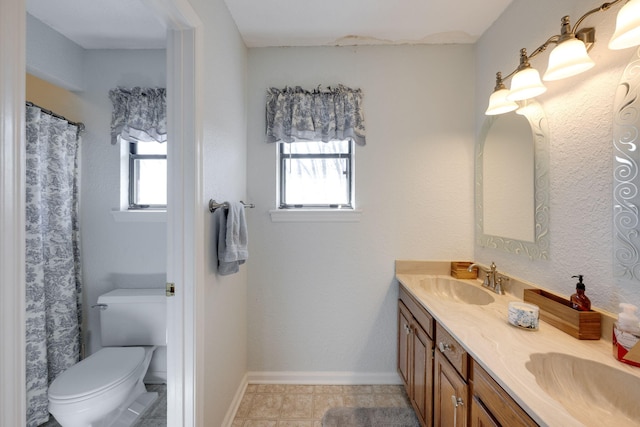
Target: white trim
[[339, 377], [139, 215], [185, 217], [12, 213], [235, 403], [315, 215]]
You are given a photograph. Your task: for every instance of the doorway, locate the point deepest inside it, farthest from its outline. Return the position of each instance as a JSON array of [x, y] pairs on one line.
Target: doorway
[[183, 223]]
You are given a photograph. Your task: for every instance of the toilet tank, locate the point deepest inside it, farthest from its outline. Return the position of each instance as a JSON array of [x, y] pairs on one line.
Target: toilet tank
[[130, 317]]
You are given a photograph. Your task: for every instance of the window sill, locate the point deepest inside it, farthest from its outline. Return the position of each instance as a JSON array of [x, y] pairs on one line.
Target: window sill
[[139, 216], [315, 215]]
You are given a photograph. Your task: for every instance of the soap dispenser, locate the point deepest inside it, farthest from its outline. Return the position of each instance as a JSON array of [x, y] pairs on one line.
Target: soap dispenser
[[579, 301]]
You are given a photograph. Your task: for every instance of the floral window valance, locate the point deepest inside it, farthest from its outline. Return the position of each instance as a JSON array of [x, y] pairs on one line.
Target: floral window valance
[[295, 114], [139, 114]]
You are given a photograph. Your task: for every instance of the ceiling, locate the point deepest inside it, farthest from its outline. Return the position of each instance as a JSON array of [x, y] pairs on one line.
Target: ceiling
[[126, 24]]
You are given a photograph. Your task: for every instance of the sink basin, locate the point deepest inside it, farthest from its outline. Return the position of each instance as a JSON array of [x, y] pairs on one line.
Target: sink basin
[[591, 392], [456, 290]]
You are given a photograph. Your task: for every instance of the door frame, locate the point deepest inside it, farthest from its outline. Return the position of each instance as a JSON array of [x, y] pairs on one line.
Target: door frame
[[185, 211], [12, 213], [185, 216]]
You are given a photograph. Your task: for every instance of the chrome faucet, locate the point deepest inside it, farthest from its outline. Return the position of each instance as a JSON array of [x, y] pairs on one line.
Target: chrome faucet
[[492, 280], [476, 266], [496, 280], [491, 274]]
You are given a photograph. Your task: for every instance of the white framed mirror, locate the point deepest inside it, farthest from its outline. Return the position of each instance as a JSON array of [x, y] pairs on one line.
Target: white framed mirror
[[512, 182], [626, 182]]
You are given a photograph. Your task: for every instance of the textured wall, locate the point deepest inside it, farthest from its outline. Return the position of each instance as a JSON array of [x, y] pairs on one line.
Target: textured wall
[[322, 296], [579, 112]]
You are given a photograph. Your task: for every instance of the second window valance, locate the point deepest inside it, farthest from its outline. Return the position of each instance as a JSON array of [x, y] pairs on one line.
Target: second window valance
[[139, 114], [295, 114]]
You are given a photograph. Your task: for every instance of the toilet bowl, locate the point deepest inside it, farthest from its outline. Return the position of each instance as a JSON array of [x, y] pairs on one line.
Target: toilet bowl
[[103, 390], [106, 389]]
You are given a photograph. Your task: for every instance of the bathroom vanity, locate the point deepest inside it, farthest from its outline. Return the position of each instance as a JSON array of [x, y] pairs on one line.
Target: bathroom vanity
[[463, 364]]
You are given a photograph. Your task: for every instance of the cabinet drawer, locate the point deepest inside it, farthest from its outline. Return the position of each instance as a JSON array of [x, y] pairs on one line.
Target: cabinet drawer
[[497, 401], [453, 351], [421, 315]]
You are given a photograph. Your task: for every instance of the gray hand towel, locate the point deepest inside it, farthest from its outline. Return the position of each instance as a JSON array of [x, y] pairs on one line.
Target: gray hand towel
[[230, 231], [236, 241]]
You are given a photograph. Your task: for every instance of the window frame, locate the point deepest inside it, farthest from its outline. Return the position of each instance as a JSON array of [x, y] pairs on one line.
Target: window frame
[[350, 163], [133, 173]]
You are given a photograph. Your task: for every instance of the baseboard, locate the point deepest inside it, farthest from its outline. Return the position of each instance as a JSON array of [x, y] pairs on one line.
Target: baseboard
[[343, 378], [235, 403]]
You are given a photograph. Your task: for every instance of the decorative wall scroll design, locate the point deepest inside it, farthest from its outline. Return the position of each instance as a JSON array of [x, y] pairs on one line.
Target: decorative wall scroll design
[[626, 198], [539, 248]]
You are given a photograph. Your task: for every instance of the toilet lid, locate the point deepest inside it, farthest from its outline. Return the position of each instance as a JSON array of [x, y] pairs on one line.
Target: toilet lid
[[102, 370]]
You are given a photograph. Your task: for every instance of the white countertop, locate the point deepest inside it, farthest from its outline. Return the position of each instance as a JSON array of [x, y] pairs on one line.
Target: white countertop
[[504, 350]]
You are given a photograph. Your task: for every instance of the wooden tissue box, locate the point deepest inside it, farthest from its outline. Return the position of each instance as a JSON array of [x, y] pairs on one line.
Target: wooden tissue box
[[459, 270], [557, 311]]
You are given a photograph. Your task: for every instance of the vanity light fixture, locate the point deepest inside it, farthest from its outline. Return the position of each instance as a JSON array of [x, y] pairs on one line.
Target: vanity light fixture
[[568, 58], [498, 102], [627, 32], [525, 83]]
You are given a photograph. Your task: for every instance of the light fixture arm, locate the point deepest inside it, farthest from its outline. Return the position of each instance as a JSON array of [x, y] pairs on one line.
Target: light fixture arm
[[566, 31], [602, 8], [568, 58]]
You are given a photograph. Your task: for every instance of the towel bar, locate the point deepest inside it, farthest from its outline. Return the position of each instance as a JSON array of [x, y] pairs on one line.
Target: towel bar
[[213, 205]]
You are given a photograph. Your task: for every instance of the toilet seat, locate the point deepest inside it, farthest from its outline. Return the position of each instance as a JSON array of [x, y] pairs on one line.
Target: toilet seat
[[102, 371]]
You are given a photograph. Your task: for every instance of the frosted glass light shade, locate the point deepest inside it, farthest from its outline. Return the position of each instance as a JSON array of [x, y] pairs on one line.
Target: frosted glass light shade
[[526, 84], [498, 103], [567, 59], [627, 32]]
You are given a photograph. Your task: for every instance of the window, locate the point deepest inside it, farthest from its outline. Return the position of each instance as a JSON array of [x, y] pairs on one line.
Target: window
[[147, 175], [316, 174]]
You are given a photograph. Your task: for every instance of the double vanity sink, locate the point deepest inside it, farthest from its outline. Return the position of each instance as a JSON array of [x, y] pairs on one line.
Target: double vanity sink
[[555, 379]]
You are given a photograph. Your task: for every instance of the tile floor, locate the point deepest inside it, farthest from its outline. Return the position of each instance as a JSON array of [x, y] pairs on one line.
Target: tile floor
[[285, 405]]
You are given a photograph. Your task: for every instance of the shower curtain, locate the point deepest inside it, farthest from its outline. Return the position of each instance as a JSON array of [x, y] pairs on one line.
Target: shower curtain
[[53, 285]]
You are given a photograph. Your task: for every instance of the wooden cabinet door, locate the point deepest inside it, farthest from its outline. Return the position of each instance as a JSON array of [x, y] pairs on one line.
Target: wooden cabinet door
[[480, 417], [422, 375], [405, 337], [450, 392]]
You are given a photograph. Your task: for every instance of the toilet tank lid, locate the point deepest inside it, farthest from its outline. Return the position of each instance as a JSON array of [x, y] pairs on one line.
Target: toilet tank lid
[[133, 295]]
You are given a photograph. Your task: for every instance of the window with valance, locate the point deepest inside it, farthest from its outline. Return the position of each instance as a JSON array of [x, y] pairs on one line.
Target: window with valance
[[139, 119], [316, 131]]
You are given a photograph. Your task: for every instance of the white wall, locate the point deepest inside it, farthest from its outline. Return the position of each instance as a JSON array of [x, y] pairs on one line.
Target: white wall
[[53, 57], [114, 254], [579, 112], [224, 115], [322, 296]]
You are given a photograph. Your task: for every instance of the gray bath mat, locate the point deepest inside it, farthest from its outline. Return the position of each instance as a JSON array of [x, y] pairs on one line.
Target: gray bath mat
[[370, 417]]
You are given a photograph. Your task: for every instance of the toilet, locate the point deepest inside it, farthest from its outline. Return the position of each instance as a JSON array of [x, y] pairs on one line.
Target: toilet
[[107, 389]]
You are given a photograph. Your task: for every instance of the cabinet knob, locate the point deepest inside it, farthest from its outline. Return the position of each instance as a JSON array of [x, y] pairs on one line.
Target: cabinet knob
[[443, 346], [457, 401], [407, 329]]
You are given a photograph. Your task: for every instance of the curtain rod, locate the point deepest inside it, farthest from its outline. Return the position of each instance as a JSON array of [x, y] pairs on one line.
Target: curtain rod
[[79, 125]]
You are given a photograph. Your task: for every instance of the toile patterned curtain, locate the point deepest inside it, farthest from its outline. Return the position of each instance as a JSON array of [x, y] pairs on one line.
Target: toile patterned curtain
[[53, 275], [295, 114], [139, 114]]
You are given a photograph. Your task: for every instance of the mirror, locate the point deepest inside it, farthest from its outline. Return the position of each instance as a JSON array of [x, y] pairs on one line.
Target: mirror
[[512, 182], [626, 200]]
